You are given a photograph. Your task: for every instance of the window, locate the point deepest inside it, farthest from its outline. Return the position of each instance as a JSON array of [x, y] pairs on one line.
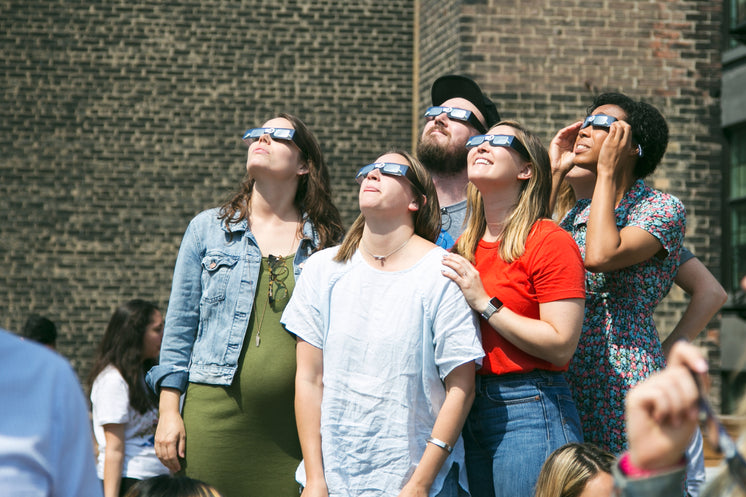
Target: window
[[736, 15], [736, 207]]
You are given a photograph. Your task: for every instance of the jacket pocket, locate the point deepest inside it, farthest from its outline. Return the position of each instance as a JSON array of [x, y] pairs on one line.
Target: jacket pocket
[[216, 270]]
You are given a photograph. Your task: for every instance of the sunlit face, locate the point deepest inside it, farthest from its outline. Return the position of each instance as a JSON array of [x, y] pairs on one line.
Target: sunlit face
[[151, 340], [279, 159], [448, 136], [601, 485], [590, 139], [489, 165], [384, 191]]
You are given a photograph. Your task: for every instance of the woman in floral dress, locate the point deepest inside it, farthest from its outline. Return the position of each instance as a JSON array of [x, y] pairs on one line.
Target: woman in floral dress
[[630, 237]]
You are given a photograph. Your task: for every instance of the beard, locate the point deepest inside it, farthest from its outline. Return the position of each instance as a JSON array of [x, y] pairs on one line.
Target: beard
[[441, 159]]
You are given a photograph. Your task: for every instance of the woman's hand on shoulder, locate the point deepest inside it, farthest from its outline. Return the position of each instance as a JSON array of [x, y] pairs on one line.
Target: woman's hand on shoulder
[[466, 276]]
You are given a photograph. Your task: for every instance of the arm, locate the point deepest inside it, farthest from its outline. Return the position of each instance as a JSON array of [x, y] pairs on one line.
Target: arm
[[662, 411], [113, 458], [707, 296], [608, 248], [561, 157], [170, 435], [553, 337], [309, 389], [459, 397], [182, 319]]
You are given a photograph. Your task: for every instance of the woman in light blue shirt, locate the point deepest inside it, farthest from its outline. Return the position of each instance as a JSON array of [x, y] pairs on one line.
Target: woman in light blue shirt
[[387, 349]]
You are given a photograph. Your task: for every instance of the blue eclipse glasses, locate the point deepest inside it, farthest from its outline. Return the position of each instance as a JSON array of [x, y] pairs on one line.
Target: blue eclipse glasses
[[598, 121], [604, 121], [275, 133], [457, 114], [508, 141], [391, 169]]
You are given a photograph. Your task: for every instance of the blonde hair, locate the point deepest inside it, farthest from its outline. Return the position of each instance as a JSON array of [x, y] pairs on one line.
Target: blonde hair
[[426, 219], [565, 201], [532, 205], [568, 470]]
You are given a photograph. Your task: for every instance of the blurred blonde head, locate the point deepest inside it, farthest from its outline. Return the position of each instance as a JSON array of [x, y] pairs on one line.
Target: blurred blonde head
[[567, 471], [172, 486]]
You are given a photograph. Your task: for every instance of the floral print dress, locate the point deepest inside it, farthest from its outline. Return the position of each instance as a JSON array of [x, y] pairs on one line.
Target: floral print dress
[[619, 345]]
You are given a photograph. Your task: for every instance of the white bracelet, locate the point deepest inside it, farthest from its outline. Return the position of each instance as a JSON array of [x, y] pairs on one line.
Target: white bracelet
[[440, 443]]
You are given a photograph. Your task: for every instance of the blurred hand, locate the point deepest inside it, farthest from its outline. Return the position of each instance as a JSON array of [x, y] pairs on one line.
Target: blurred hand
[[662, 411]]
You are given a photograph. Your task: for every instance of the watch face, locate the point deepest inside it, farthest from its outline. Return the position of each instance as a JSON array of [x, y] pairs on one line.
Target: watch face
[[496, 303]]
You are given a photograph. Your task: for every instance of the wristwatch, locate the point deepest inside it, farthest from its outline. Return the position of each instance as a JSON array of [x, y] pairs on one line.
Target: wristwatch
[[493, 306]]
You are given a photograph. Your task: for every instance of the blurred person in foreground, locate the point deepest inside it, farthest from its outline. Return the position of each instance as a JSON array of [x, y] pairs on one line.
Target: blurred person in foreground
[[45, 433]]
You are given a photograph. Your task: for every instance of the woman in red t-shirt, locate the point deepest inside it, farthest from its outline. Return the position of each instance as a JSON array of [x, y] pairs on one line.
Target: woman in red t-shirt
[[525, 276]]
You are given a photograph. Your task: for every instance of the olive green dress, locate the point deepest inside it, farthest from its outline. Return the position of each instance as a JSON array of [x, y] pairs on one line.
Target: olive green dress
[[242, 439]]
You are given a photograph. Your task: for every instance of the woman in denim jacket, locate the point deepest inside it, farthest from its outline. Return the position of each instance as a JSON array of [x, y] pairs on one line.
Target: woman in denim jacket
[[223, 344]]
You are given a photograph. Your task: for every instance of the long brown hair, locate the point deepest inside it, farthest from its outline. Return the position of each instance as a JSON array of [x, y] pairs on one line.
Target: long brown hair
[[532, 205], [122, 347], [313, 196], [426, 219]]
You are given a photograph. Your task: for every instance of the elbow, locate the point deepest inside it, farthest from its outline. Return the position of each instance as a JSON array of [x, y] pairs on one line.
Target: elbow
[[719, 295], [563, 357], [469, 396], [596, 264], [565, 351]]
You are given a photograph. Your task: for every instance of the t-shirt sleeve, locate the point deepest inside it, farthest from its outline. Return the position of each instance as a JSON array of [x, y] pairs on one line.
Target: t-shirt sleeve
[[302, 316], [557, 267], [110, 398], [686, 254], [664, 217], [455, 332]]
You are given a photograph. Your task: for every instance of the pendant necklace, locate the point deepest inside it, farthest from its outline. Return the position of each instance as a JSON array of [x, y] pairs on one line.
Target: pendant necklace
[[279, 260], [382, 258]]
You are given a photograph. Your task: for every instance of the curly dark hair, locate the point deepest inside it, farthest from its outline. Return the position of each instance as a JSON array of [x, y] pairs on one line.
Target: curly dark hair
[[122, 347], [649, 129]]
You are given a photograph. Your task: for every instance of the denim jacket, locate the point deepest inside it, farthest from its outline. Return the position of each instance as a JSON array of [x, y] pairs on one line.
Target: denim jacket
[[212, 295]]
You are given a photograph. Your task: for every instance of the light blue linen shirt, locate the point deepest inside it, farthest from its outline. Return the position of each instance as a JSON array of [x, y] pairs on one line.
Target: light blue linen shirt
[[45, 433], [389, 339]]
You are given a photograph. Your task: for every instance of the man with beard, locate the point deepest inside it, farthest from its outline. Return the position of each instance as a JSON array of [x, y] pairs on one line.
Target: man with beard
[[460, 110]]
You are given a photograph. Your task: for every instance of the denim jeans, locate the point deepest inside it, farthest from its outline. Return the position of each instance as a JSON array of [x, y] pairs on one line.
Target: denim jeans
[[516, 421], [450, 487]]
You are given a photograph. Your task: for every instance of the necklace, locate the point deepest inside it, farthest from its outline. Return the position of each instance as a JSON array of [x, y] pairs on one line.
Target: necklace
[[382, 258], [278, 271]]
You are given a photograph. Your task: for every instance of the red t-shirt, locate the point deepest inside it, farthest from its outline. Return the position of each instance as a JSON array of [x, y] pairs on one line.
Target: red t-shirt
[[550, 269]]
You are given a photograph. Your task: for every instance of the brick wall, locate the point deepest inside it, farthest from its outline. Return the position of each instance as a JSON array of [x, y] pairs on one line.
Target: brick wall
[[122, 120]]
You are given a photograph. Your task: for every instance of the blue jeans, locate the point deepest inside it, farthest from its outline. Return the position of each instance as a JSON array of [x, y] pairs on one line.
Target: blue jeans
[[451, 488], [516, 421]]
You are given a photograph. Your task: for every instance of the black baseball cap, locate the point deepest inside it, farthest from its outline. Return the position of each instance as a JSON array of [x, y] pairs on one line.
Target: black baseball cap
[[455, 86]]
